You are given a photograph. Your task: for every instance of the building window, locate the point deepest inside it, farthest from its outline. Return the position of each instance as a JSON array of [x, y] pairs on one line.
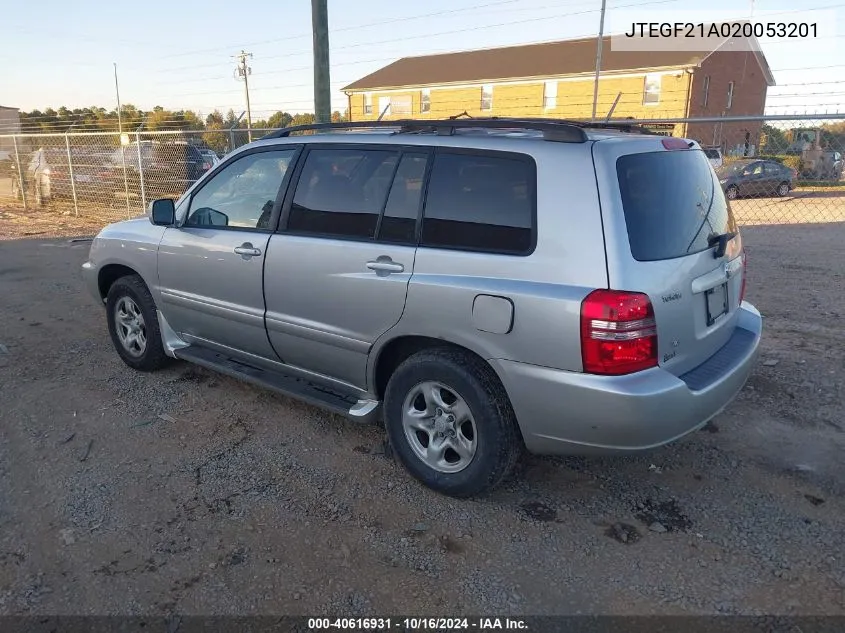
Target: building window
[[651, 89], [425, 100], [730, 95], [400, 106], [706, 90], [487, 97], [368, 103], [550, 95]]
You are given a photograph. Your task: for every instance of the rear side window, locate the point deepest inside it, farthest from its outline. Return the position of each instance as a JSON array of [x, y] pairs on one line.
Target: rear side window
[[711, 153], [341, 192], [672, 203], [481, 202]]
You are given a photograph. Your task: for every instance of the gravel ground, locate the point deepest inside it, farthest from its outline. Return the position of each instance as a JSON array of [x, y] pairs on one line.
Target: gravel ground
[[186, 491]]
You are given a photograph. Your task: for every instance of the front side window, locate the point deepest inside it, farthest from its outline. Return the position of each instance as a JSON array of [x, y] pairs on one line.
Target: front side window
[[341, 192], [242, 194], [480, 202], [651, 91]]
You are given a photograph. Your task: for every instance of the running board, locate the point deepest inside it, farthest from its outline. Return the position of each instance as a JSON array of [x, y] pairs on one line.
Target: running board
[[345, 404]]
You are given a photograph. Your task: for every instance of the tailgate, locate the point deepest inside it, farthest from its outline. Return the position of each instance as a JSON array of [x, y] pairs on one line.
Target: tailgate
[[664, 213]]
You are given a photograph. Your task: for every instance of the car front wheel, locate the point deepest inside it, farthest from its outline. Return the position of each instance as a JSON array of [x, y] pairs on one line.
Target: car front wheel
[[133, 324], [450, 422]]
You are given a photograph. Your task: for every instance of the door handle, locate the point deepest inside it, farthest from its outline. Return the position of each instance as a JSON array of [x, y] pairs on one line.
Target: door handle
[[247, 250], [386, 266]]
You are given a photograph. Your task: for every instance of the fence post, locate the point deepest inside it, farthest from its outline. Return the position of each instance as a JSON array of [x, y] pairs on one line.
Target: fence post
[[125, 176], [70, 171], [141, 169], [20, 172]]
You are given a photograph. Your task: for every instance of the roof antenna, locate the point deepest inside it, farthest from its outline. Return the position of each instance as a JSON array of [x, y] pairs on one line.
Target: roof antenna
[[383, 112], [612, 108], [458, 116]]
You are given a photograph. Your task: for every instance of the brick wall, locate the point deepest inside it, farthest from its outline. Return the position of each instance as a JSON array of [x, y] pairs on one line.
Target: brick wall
[[749, 98]]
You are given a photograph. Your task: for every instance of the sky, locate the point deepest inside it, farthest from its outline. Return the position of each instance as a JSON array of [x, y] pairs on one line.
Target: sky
[[180, 54]]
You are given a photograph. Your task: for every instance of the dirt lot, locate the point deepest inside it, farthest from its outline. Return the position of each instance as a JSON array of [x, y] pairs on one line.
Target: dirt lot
[[126, 493]]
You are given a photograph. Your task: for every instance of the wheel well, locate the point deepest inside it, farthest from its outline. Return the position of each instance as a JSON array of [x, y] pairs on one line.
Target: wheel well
[[109, 274], [399, 349]]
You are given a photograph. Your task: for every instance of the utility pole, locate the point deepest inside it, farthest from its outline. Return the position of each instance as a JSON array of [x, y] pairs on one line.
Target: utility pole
[[322, 88], [117, 92], [598, 58], [245, 71]]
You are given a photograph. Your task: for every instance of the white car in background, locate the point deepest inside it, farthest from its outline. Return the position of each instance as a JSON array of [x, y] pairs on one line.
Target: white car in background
[[210, 155], [714, 155]]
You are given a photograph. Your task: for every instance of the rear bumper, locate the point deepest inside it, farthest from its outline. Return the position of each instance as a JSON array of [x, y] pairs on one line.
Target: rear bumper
[[562, 412]]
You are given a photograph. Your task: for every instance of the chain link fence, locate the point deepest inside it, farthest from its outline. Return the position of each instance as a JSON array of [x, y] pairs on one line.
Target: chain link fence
[[775, 170], [106, 176]]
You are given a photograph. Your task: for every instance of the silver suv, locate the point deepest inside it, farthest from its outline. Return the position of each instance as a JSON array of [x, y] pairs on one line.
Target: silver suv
[[480, 286]]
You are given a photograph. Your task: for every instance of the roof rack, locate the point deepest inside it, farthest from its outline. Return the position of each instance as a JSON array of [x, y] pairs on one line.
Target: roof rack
[[553, 130], [560, 130]]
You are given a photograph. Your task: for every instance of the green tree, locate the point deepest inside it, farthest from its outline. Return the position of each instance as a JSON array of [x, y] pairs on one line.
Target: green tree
[[279, 119], [772, 140]]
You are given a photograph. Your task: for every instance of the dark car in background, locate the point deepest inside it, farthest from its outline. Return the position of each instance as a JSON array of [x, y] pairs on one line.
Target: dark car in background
[[748, 178], [168, 168]]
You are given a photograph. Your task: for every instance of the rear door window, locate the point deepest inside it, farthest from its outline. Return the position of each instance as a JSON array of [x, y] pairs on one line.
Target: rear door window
[[341, 192], [481, 202], [672, 203]]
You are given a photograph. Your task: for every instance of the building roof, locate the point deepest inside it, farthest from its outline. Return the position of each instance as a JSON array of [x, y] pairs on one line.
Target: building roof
[[549, 59]]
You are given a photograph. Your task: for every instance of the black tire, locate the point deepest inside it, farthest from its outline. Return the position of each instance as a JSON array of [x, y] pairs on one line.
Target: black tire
[[783, 189], [732, 193], [499, 442], [153, 357]]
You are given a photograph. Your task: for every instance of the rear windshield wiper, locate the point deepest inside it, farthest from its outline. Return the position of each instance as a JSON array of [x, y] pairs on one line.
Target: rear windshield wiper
[[720, 242]]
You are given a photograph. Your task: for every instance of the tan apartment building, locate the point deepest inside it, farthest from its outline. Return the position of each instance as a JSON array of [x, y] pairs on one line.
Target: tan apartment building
[[556, 79]]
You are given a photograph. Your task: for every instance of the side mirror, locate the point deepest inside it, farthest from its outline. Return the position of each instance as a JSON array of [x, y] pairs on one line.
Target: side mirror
[[162, 212]]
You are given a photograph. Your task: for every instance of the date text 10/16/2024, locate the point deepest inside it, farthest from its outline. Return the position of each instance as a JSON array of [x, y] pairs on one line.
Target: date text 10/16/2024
[[417, 624], [723, 30]]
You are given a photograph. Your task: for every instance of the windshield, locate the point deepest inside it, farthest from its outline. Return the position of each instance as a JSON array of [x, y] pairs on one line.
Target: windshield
[[672, 203]]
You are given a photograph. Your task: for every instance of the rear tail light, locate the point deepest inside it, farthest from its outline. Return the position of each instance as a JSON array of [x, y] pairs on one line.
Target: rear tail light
[[744, 276], [618, 333]]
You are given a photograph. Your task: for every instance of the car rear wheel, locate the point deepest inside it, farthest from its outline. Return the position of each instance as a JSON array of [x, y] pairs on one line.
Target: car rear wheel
[[133, 324], [783, 189], [732, 192], [450, 422]]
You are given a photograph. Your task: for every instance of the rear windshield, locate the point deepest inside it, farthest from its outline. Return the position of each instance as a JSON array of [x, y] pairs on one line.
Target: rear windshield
[[672, 202]]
